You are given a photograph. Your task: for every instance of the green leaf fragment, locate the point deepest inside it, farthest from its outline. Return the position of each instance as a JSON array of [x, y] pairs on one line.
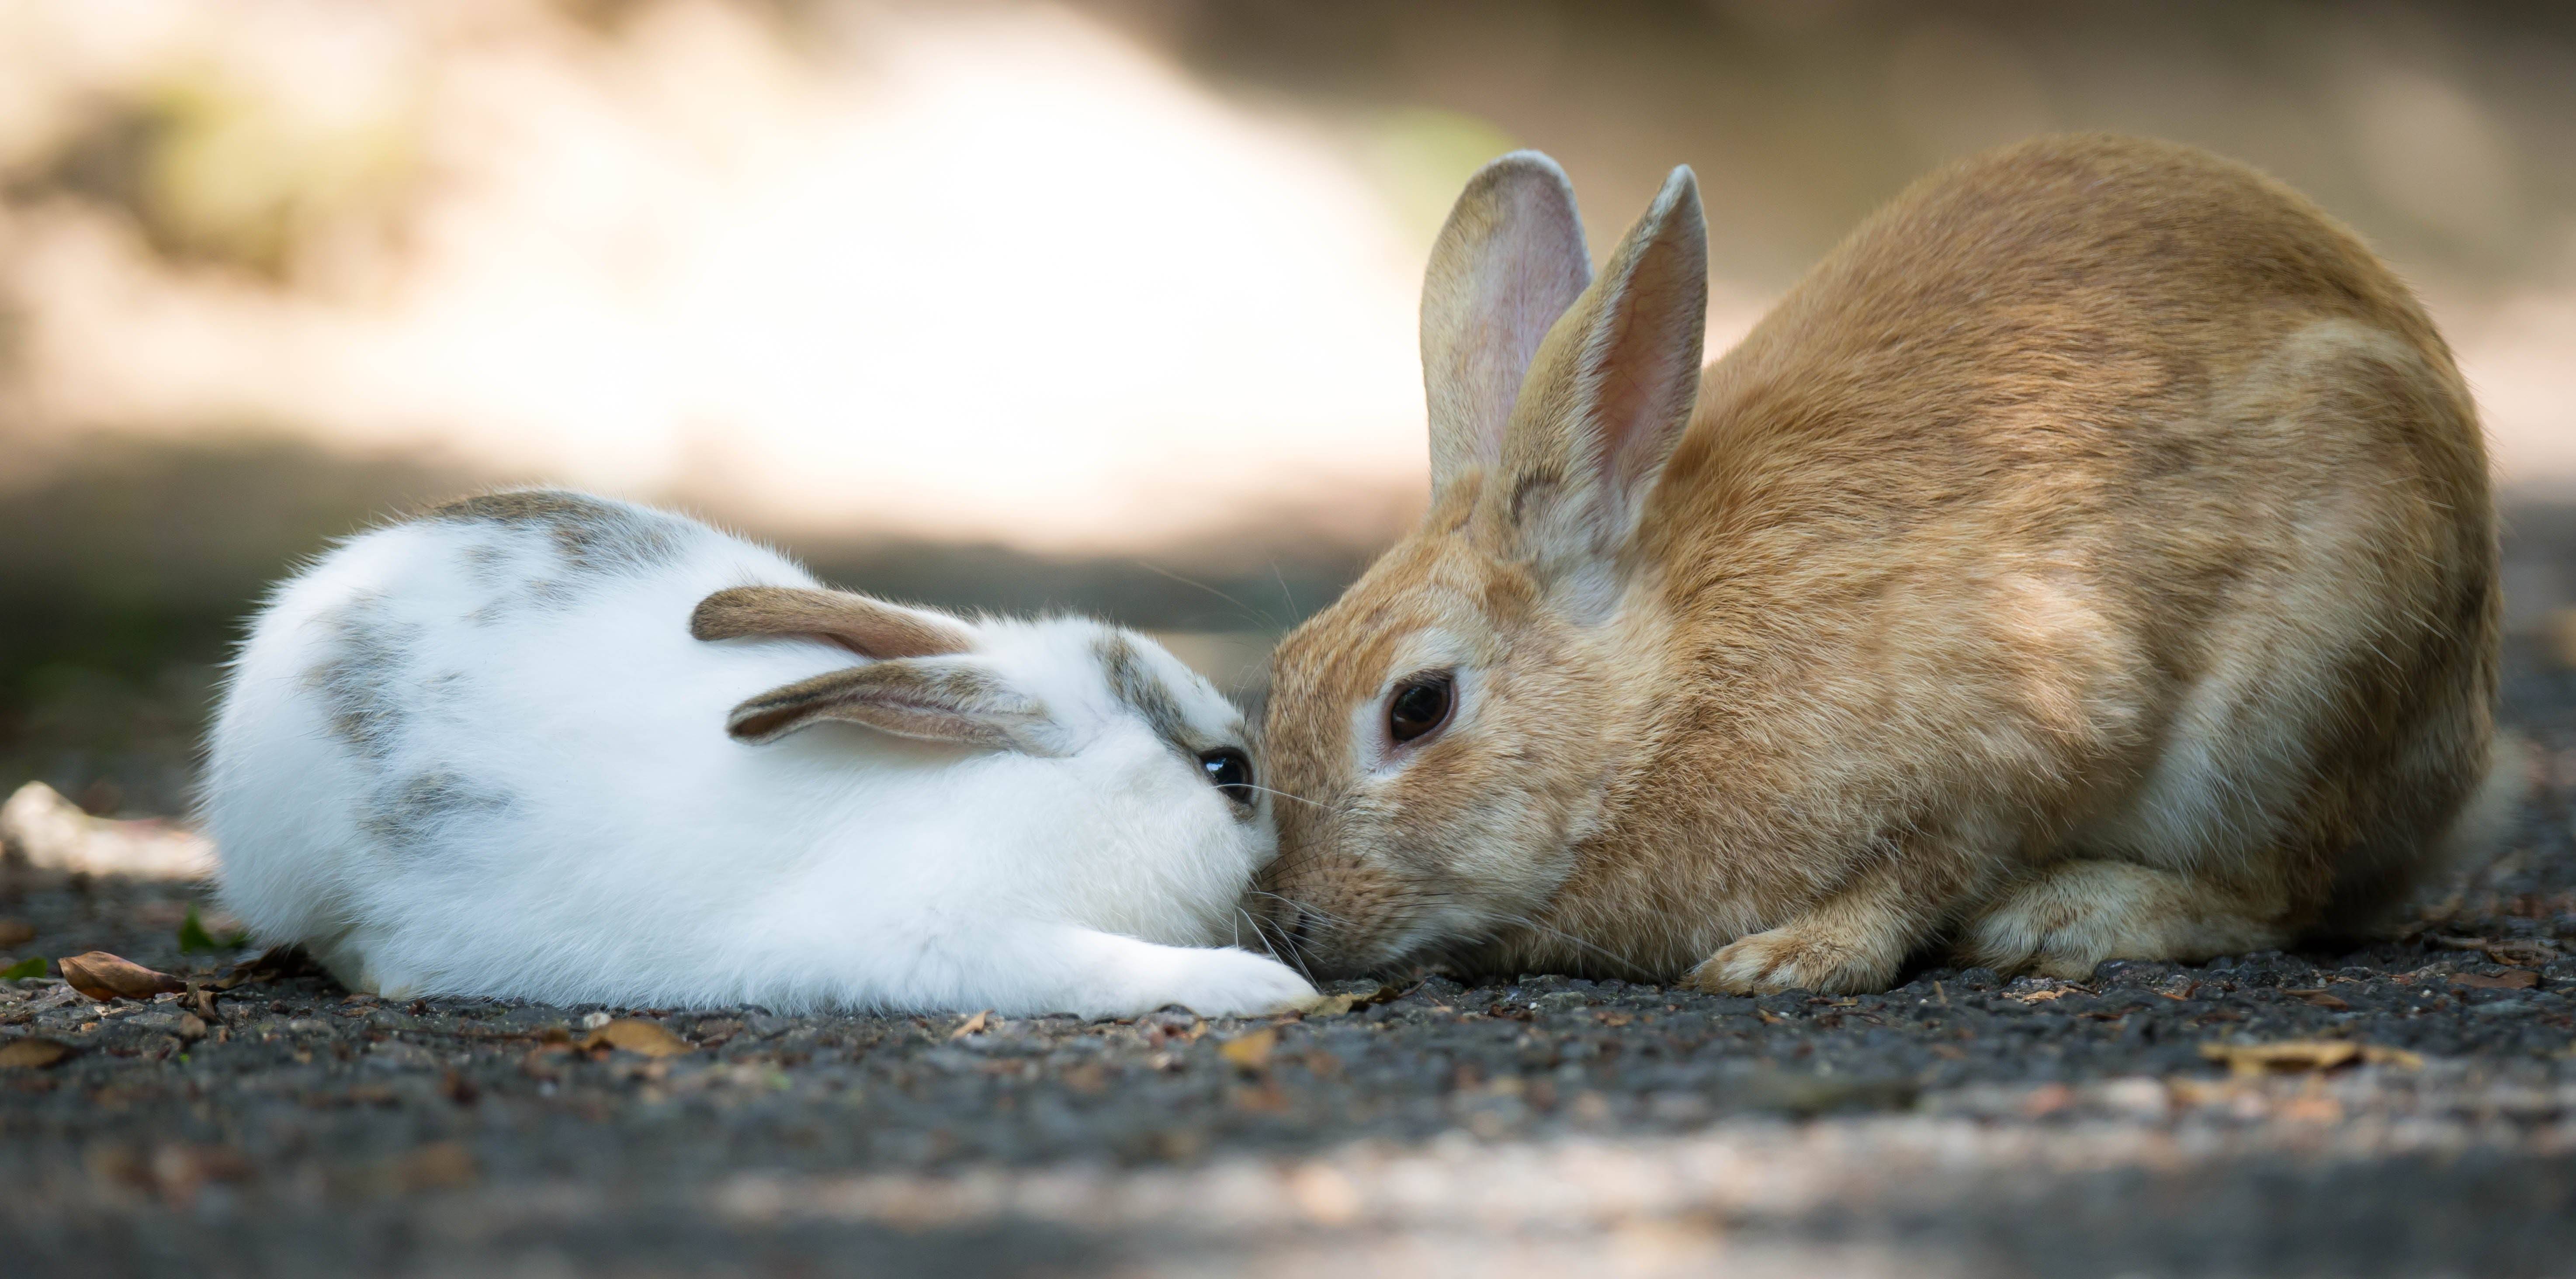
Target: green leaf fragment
[[31, 966], [193, 936]]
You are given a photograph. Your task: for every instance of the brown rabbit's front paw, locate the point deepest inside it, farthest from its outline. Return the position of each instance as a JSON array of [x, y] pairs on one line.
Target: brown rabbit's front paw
[[1807, 956]]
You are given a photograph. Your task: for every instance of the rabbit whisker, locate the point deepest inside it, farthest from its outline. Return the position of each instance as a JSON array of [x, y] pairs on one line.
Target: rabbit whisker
[[1273, 790], [1524, 921], [1248, 610]]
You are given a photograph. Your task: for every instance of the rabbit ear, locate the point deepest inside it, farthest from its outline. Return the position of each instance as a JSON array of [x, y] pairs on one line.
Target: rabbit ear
[[1508, 262], [930, 700], [1610, 391], [868, 627]]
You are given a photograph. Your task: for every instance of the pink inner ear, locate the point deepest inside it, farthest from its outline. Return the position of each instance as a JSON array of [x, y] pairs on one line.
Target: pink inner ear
[[1650, 347]]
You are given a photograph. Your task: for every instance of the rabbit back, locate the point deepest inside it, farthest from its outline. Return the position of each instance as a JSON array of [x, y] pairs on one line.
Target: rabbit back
[[480, 746], [2099, 504]]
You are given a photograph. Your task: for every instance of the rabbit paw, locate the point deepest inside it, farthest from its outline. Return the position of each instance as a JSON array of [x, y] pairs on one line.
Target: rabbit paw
[[2078, 913], [1809, 955], [1231, 983]]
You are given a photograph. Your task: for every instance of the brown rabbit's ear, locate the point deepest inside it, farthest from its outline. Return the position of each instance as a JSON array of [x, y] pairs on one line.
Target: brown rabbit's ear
[[930, 700], [867, 627], [1508, 262], [1610, 391]]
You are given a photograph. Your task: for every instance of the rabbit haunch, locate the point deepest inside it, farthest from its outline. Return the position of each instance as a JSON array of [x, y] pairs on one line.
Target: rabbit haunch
[[546, 745], [2093, 557]]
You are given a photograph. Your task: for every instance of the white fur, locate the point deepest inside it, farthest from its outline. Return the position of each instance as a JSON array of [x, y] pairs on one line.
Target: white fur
[[545, 802]]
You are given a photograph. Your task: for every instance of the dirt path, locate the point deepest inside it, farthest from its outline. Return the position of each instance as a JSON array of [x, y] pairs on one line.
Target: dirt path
[[1961, 1125]]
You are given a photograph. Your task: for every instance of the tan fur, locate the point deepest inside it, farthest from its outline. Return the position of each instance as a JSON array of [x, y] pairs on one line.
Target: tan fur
[[2093, 557], [868, 627]]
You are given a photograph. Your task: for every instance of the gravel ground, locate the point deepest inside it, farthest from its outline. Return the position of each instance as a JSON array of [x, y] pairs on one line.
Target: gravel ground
[[1961, 1125]]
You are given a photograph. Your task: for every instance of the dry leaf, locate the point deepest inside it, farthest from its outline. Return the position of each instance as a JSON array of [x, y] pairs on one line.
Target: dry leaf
[[2523, 954], [972, 1024], [441, 1165], [2509, 979], [2318, 997], [32, 1053], [274, 964], [2251, 1060], [1251, 1051], [2041, 996], [2293, 1055], [1265, 1099], [16, 932], [1336, 1005], [103, 977], [645, 1037]]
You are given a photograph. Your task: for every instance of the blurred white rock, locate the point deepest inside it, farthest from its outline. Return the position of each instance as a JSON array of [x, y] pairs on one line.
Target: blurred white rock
[[52, 833]]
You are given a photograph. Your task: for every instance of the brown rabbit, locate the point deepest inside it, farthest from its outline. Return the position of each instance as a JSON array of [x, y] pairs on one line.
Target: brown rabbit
[[2093, 557]]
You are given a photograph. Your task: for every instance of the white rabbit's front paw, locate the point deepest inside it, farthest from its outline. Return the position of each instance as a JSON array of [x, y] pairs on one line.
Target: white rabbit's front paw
[[1231, 983]]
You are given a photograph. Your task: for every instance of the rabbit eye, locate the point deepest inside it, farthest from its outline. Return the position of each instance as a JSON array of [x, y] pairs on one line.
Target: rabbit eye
[[1420, 706], [1229, 771]]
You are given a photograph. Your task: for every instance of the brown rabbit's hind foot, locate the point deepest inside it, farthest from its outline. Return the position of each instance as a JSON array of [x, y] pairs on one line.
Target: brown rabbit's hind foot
[[2069, 918], [1827, 956]]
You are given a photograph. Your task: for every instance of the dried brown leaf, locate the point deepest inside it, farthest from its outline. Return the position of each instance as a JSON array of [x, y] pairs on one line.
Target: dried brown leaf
[[972, 1024], [1264, 1099], [1336, 1005], [103, 977], [2290, 1056], [2509, 979], [2318, 997], [2398, 1057], [16, 932], [32, 1053], [2523, 954], [649, 1038], [441, 1165], [2042, 996], [1250, 1051], [274, 964]]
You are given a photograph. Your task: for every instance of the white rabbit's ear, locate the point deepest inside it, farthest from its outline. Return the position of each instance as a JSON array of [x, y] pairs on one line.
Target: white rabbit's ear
[[1508, 262], [1609, 394], [867, 627], [921, 698]]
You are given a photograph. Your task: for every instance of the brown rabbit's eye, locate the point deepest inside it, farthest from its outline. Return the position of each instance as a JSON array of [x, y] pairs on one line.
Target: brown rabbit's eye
[[1420, 705]]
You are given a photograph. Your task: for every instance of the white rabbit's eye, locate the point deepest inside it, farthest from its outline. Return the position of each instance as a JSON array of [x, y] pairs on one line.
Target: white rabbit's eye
[[1420, 705], [1230, 771]]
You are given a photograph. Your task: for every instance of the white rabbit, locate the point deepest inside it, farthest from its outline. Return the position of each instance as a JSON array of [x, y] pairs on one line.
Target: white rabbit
[[546, 745]]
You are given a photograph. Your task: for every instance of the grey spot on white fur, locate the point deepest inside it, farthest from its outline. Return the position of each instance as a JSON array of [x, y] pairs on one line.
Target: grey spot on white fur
[[360, 675], [408, 817], [590, 535], [486, 563], [587, 537], [1136, 684]]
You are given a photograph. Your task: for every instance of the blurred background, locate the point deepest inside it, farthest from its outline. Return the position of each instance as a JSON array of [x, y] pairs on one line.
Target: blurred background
[[1100, 306]]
